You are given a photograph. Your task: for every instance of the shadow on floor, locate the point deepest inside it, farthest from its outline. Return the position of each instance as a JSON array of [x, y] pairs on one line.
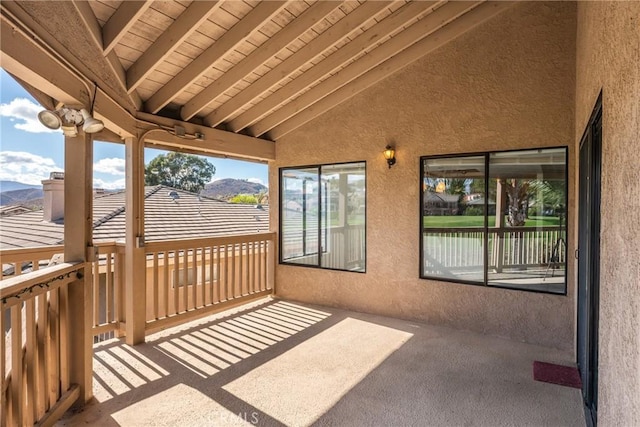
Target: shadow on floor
[[282, 363]]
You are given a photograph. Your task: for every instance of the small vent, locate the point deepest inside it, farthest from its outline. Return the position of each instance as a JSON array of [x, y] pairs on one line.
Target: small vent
[[174, 194]]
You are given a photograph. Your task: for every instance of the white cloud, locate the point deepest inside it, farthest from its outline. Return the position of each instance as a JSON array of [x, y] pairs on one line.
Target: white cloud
[[25, 167], [257, 181], [111, 166], [25, 115], [118, 184]]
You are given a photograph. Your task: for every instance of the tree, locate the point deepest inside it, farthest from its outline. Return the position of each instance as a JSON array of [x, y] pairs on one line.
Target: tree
[[518, 193], [184, 171], [244, 199]]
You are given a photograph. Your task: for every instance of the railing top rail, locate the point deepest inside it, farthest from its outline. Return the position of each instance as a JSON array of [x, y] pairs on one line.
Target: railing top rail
[[35, 250], [162, 245], [17, 284]]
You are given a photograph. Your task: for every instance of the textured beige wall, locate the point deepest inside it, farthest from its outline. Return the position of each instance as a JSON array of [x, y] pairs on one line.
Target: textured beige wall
[[608, 58], [507, 84]]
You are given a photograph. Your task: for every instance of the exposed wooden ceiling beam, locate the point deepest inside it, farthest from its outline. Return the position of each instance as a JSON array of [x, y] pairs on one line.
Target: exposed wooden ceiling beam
[[251, 23], [188, 22], [359, 44], [21, 57], [121, 21], [255, 59], [449, 32], [95, 31], [216, 141], [317, 46], [406, 38], [45, 100], [16, 15]]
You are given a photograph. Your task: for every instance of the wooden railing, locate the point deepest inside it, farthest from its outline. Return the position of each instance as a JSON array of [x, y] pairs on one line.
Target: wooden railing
[[463, 248], [34, 350], [190, 278], [28, 259], [185, 279], [107, 279], [108, 293]]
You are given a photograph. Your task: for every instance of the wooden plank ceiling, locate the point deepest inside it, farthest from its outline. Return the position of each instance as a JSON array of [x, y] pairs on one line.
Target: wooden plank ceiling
[[264, 68]]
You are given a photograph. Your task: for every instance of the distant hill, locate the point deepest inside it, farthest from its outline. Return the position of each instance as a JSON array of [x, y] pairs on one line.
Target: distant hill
[[229, 187], [13, 185], [27, 197]]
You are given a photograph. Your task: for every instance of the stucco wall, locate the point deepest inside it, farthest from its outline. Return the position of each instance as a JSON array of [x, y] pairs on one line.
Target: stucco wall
[[608, 59], [506, 84]]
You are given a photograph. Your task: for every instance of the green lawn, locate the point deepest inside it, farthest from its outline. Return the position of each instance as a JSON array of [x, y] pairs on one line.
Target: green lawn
[[478, 221]]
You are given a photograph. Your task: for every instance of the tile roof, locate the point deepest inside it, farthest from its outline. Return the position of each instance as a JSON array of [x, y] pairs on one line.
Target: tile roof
[[185, 217]]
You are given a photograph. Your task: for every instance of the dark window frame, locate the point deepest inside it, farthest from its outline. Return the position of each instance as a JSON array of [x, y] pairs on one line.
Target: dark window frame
[[320, 201], [486, 228]]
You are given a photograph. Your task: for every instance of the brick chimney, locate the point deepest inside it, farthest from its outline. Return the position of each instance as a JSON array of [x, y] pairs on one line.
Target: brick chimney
[[53, 189]]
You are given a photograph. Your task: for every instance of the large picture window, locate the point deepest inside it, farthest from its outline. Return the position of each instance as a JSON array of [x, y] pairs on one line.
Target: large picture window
[[496, 219], [323, 216]]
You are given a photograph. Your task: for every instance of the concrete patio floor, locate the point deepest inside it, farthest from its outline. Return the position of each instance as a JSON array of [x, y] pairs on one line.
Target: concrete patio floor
[[282, 363]]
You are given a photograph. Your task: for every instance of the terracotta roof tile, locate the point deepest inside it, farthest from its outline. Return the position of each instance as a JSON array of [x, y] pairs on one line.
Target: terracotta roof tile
[[187, 216]]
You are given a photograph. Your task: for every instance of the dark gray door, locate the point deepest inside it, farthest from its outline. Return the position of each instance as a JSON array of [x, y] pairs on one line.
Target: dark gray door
[[589, 261]]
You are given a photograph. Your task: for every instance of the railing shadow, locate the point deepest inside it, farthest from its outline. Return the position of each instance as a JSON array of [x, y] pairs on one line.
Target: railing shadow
[[204, 357]]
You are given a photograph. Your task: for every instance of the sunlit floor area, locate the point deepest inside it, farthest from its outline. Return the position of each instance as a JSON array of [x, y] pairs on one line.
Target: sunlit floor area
[[282, 363]]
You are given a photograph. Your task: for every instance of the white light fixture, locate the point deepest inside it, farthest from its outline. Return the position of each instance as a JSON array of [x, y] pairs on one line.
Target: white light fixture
[[49, 119], [91, 124], [68, 119]]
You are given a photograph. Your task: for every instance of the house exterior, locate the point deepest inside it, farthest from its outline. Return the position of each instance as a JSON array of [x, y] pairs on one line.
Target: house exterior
[[492, 85]]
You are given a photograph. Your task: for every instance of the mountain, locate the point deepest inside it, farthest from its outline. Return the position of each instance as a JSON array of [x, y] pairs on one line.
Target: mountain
[[27, 197], [228, 187], [13, 185]]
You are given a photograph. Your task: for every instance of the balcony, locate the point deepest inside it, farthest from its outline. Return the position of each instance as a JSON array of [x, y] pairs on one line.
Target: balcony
[[265, 362], [282, 363]]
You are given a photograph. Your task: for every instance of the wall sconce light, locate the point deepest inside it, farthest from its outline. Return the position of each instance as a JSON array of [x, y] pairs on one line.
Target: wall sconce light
[[68, 119], [390, 154]]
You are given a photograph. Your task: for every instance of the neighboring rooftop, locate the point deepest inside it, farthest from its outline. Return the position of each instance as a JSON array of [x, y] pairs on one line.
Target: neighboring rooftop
[[183, 217]]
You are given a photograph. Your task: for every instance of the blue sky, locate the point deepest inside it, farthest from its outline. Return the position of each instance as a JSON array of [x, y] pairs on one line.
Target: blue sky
[[29, 151]]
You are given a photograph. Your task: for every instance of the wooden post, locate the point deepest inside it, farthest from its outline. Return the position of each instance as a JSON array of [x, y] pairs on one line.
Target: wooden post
[[135, 265], [78, 220]]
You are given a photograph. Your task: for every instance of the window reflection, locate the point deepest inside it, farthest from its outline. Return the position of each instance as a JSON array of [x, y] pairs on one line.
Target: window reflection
[[504, 226]]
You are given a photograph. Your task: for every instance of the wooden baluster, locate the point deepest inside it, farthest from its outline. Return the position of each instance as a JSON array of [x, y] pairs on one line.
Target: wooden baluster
[[42, 326], [252, 282], [64, 336], [54, 347], [176, 294], [109, 289], [30, 331], [218, 272], [156, 291], [259, 278], [203, 272], [212, 273], [166, 285], [118, 298], [17, 396], [194, 282], [241, 283], [3, 395], [96, 292]]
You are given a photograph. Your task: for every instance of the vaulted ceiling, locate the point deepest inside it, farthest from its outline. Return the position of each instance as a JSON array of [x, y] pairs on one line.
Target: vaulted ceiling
[[258, 68]]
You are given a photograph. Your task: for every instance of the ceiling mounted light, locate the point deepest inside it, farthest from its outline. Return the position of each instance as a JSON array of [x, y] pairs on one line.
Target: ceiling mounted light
[[68, 119], [91, 124], [50, 119]]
